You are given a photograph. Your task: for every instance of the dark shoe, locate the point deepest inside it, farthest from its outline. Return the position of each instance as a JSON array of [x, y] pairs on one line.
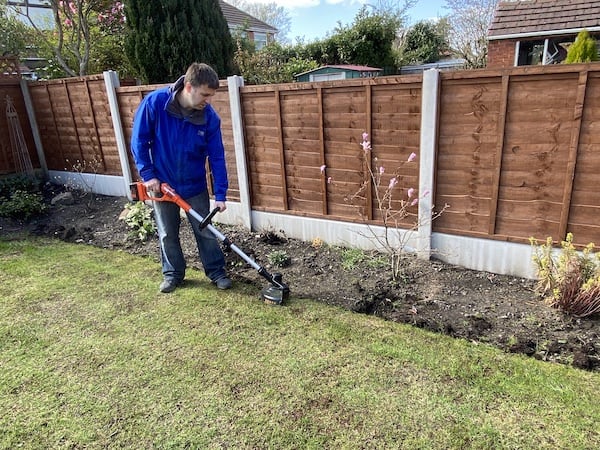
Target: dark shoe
[[168, 286], [223, 283]]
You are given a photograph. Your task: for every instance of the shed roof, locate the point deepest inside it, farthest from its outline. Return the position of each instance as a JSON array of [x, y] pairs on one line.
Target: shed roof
[[237, 17], [343, 67], [544, 18]]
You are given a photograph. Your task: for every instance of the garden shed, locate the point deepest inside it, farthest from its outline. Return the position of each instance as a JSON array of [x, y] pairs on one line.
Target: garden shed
[[338, 72]]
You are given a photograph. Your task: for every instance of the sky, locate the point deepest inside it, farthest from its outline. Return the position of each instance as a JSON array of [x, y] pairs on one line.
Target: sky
[[314, 19]]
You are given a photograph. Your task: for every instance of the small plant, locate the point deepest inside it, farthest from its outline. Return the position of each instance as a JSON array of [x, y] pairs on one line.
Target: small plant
[[22, 204], [394, 204], [317, 243], [568, 280], [139, 219], [352, 257], [279, 258], [87, 171], [14, 183]]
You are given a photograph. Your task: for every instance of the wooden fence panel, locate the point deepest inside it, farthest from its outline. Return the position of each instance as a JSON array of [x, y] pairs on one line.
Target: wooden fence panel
[[539, 124], [302, 147], [221, 104], [467, 153], [585, 203], [345, 118], [395, 134], [263, 140]]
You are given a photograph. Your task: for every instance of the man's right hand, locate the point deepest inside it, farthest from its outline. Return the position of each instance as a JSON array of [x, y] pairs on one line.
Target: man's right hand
[[153, 185]]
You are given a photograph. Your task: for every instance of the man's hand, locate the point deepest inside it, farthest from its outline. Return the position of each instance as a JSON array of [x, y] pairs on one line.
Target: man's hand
[[152, 185], [221, 205]]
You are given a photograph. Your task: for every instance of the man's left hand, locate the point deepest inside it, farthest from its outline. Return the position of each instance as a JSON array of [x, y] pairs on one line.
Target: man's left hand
[[221, 205]]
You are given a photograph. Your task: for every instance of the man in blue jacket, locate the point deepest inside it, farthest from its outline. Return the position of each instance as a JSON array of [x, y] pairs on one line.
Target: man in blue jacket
[[175, 130]]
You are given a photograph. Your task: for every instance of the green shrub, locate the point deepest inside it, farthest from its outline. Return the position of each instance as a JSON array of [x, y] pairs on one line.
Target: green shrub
[[279, 258], [583, 50], [13, 183], [140, 220], [352, 257], [568, 280], [22, 204]]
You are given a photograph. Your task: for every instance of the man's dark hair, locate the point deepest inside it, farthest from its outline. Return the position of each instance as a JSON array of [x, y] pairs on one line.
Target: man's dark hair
[[200, 73]]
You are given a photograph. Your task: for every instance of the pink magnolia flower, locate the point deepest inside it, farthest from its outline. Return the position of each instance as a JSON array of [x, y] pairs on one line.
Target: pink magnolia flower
[[393, 182], [412, 157], [366, 146], [425, 194], [329, 180], [414, 202], [68, 22], [365, 136], [323, 167], [410, 192], [381, 170]]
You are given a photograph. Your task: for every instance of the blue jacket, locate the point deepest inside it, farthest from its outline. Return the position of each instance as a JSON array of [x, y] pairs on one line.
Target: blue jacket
[[174, 149]]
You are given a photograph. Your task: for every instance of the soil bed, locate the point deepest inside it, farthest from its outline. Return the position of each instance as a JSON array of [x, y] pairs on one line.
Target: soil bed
[[478, 306]]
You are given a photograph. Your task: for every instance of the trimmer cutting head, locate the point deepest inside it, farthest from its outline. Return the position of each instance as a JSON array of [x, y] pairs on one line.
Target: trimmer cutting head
[[276, 292]]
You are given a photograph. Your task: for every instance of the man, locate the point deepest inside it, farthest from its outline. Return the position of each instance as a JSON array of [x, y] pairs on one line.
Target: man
[[175, 131]]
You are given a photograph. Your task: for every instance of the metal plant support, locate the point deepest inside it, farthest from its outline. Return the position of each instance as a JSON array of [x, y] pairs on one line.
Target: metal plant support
[[17, 140]]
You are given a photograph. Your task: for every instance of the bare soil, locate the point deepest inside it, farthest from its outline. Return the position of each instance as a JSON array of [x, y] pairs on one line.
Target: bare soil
[[477, 306]]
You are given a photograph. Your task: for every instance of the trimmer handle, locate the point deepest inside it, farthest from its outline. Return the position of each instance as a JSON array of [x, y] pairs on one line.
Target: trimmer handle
[[207, 219], [168, 194]]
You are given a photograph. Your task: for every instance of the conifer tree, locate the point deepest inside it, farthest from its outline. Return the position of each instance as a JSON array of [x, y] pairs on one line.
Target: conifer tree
[[166, 36], [583, 50]]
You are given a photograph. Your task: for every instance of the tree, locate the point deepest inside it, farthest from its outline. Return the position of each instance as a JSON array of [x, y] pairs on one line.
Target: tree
[[270, 13], [273, 63], [368, 41], [423, 43], [70, 39], [76, 41], [165, 36], [15, 36], [583, 50], [469, 23]]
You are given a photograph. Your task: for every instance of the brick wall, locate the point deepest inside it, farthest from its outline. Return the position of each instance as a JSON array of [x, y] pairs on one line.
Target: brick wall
[[501, 53]]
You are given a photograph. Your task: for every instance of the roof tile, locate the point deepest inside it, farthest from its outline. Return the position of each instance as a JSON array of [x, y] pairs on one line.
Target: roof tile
[[543, 16]]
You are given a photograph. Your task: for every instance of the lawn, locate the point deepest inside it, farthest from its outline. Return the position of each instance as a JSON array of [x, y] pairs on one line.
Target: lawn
[[94, 357]]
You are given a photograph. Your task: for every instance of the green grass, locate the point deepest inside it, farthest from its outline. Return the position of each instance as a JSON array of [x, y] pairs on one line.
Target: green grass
[[94, 357]]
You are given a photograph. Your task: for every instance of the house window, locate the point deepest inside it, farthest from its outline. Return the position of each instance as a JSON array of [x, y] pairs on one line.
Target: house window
[[547, 51], [530, 53], [260, 40]]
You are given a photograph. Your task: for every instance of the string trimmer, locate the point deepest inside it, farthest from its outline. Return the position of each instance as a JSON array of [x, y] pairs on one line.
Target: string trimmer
[[275, 293]]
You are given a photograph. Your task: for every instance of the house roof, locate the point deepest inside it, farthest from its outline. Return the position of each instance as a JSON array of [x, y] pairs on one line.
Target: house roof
[[527, 18], [238, 18]]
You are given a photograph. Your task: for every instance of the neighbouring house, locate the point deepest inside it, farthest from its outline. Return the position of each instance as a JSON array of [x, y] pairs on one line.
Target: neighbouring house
[[532, 32], [255, 30], [338, 72]]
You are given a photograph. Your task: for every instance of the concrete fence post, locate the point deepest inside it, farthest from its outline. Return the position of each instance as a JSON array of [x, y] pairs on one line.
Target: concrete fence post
[[111, 81], [234, 83], [34, 126], [429, 128]]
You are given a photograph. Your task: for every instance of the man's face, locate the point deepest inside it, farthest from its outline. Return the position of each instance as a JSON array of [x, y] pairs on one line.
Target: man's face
[[199, 96]]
